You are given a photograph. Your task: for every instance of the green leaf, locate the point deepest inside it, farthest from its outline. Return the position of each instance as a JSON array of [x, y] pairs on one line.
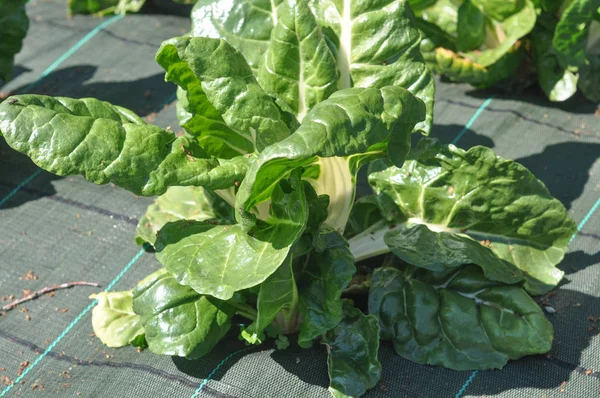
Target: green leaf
[[458, 319], [557, 82], [572, 32], [502, 36], [355, 121], [220, 260], [245, 24], [106, 143], [470, 27], [178, 320], [452, 199], [589, 79], [321, 281], [352, 348], [220, 84], [377, 45], [104, 7], [182, 203], [421, 4], [13, 28], [443, 14], [277, 298], [113, 319], [299, 67], [500, 10]]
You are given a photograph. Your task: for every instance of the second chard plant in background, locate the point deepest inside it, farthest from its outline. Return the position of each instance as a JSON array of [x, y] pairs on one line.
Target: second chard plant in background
[[258, 217]]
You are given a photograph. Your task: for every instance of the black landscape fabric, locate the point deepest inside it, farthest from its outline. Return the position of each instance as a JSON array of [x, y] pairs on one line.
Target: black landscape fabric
[[66, 229]]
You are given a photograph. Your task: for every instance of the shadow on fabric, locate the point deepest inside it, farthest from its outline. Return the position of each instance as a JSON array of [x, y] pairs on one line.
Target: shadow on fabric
[[144, 96]]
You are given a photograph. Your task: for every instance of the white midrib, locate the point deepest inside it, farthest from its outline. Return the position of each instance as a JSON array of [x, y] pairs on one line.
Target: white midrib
[[343, 56], [274, 12], [301, 89]]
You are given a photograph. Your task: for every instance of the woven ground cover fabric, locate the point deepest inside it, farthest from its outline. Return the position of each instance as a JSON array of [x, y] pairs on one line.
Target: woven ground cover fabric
[[65, 229]]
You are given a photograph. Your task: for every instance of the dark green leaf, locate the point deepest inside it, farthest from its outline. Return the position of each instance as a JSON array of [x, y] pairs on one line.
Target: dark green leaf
[[459, 319], [470, 27], [13, 28], [353, 346], [177, 320]]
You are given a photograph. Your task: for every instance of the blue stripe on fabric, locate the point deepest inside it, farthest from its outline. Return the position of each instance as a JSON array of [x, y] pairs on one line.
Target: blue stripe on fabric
[[71, 325], [73, 49], [211, 374], [472, 120], [18, 187]]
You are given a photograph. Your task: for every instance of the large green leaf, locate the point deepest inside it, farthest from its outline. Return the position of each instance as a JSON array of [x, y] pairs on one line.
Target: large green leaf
[[107, 143], [220, 260], [182, 203], [470, 27], [277, 298], [459, 319], [377, 45], [356, 121], [13, 28], [177, 320], [324, 275], [465, 206], [589, 78], [113, 319], [557, 82], [299, 67], [220, 84], [245, 24], [352, 348]]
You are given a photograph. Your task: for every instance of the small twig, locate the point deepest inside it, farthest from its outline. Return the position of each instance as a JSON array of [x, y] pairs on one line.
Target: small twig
[[45, 290]]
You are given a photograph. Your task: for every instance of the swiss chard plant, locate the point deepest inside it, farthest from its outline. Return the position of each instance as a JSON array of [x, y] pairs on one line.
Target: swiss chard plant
[[486, 42], [282, 103], [13, 28]]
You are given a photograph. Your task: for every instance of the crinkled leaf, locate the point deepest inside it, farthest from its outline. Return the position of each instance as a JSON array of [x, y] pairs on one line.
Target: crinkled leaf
[[182, 203], [459, 320], [107, 143], [452, 198], [220, 260], [13, 28], [355, 121], [220, 84], [113, 319], [352, 348], [299, 67], [245, 24], [557, 82], [277, 298], [178, 320], [470, 27], [377, 45], [323, 277]]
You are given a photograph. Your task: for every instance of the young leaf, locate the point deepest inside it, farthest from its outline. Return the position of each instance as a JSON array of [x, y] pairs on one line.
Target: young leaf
[[277, 298], [178, 320], [357, 121], [13, 28], [352, 348], [220, 84], [377, 46], [459, 320], [220, 260], [572, 32], [182, 203], [325, 274], [299, 66], [113, 319], [107, 143], [454, 198], [245, 24]]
